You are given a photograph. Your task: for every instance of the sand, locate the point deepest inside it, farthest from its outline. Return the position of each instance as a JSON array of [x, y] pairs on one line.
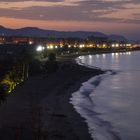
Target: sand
[[39, 109]]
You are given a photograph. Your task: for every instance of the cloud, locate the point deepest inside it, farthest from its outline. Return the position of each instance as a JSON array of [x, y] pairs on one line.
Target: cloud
[[137, 15], [31, 0], [135, 1], [81, 10]]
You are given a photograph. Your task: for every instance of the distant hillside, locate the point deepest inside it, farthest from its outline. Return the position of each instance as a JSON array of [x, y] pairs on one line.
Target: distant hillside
[[117, 37], [36, 32], [135, 41]]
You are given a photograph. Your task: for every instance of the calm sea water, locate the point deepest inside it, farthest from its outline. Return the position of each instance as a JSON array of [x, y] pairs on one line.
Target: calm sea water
[[110, 103]]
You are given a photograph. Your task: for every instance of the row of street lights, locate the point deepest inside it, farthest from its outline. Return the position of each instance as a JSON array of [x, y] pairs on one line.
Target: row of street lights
[[80, 46]]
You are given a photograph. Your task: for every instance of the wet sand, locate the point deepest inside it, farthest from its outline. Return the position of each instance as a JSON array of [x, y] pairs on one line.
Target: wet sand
[[39, 109]]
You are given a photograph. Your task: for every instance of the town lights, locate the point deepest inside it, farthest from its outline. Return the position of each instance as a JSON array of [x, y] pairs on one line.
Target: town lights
[[117, 45], [40, 48], [128, 45], [51, 46], [30, 42], [113, 45], [81, 46], [104, 45]]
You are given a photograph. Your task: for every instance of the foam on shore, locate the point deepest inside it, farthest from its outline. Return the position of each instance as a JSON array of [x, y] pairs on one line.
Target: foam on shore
[[111, 109], [84, 105]]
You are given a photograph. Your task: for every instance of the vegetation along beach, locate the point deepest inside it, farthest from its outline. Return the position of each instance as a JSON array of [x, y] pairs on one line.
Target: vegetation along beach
[[40, 108]]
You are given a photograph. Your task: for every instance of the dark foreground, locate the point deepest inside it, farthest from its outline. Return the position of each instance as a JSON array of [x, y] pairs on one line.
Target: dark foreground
[[40, 109]]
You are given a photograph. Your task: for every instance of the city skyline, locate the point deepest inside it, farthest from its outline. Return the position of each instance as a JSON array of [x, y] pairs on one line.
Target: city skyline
[[108, 16]]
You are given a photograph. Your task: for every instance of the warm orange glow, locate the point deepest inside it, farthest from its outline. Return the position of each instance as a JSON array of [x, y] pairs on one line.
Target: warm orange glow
[[30, 3], [67, 25]]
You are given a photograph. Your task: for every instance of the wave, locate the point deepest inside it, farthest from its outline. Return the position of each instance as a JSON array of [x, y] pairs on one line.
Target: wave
[[84, 105]]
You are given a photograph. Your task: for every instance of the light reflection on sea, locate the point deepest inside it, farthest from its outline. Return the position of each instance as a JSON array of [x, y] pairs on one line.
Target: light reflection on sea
[[116, 100]]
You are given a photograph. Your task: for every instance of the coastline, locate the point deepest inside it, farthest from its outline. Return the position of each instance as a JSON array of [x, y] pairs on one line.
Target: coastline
[[40, 108]]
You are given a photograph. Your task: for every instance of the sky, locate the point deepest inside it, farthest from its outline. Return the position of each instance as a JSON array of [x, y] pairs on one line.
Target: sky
[[107, 16]]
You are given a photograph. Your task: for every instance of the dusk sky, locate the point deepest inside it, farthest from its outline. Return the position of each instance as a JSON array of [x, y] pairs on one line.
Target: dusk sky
[[107, 16]]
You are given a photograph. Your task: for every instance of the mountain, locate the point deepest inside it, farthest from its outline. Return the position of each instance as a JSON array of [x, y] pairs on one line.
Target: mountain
[[37, 32], [117, 38], [135, 41]]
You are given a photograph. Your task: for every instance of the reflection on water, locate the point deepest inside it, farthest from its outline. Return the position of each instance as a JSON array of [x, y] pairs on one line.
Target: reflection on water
[[97, 55], [104, 56], [110, 61], [116, 99]]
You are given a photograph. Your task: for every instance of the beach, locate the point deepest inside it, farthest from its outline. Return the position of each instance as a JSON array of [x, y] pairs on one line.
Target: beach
[[39, 109]]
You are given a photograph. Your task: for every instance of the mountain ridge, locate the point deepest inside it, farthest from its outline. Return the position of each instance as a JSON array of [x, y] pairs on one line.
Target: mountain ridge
[[37, 32]]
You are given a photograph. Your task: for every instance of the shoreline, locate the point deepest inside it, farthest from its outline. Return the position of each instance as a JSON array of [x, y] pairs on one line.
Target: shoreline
[[73, 55], [40, 107]]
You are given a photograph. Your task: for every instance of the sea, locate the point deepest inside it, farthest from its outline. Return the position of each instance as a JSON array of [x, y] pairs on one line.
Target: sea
[[110, 103]]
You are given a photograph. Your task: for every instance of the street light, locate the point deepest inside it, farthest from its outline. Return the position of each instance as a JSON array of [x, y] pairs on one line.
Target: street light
[[30, 42], [51, 46], [113, 45], [117, 45], [40, 48]]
